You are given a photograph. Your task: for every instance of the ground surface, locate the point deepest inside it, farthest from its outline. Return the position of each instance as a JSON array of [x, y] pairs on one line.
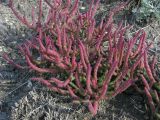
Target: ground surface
[[21, 99]]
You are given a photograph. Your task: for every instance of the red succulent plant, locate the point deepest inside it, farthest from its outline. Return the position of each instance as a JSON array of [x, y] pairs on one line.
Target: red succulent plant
[[87, 60]]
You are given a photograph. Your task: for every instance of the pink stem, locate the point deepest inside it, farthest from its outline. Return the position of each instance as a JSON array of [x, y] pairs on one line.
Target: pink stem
[[94, 82], [5, 56], [61, 84], [88, 81], [74, 8], [145, 82], [71, 92], [108, 77], [22, 19], [40, 12], [49, 85], [123, 87], [148, 70], [93, 108], [150, 100], [82, 57], [140, 45]]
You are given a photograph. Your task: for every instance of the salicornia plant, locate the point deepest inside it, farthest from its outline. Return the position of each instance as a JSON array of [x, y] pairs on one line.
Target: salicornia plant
[[86, 60]]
